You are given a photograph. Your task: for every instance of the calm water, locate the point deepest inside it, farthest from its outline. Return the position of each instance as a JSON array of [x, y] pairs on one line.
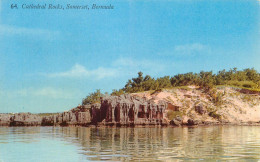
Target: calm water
[[129, 144]]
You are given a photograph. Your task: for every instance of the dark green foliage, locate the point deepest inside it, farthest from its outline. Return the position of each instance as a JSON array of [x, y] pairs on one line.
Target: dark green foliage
[[213, 114], [163, 82], [173, 114], [117, 92], [216, 97], [243, 84], [93, 98], [47, 114], [206, 80], [140, 84], [185, 79], [247, 78]]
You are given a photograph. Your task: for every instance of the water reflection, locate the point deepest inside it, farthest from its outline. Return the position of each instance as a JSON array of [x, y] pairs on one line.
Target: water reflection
[[215, 143], [149, 144]]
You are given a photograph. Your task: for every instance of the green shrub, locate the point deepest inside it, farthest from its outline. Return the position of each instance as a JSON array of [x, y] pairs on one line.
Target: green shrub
[[216, 97], [117, 92], [93, 98], [249, 84], [247, 79], [242, 84], [173, 114], [213, 114]]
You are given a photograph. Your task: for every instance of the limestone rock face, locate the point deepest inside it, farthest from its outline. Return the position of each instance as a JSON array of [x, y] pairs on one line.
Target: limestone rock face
[[25, 119], [176, 121], [69, 118], [48, 120], [127, 109], [200, 109], [193, 122], [76, 116], [122, 110], [84, 118], [95, 113], [5, 119]]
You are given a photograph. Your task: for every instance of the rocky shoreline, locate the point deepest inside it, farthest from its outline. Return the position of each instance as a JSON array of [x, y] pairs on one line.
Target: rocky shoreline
[[192, 109], [124, 110], [83, 119], [77, 118]]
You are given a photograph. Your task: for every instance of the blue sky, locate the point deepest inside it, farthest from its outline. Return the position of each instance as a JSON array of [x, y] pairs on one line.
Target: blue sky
[[51, 59]]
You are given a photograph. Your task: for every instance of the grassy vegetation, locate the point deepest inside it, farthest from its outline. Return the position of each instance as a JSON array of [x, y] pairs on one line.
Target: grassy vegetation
[[47, 114], [213, 114], [181, 87], [216, 97], [173, 114], [243, 84], [93, 98]]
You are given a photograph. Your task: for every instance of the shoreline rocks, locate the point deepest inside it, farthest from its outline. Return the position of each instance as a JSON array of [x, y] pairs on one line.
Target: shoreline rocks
[[69, 119], [113, 110], [125, 110]]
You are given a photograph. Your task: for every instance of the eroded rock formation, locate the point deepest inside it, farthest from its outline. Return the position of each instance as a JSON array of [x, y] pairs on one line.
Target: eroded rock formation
[[25, 119], [200, 109], [76, 116], [5, 119], [128, 110], [122, 110], [20, 119]]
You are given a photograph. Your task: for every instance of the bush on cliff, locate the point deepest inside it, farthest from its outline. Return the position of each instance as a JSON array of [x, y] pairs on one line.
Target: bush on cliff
[[173, 114], [117, 92], [140, 83], [93, 98], [247, 78], [243, 84]]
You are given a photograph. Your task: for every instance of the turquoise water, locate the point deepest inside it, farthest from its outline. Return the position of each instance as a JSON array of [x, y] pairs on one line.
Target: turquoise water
[[71, 144]]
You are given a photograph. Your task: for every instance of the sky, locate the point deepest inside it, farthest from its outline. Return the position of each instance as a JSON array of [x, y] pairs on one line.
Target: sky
[[51, 59]]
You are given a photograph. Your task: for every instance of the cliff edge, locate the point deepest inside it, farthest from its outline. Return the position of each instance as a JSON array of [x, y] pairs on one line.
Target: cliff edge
[[177, 106]]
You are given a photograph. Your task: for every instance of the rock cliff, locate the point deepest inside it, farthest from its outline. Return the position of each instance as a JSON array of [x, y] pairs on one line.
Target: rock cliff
[[122, 110], [192, 105], [131, 110], [180, 106]]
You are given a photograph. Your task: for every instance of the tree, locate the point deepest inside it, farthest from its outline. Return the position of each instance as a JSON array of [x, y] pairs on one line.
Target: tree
[[207, 80], [164, 82], [139, 84], [117, 92], [252, 75], [247, 78], [93, 98]]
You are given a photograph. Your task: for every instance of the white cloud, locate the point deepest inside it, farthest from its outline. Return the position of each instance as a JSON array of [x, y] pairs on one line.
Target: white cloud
[[79, 71], [190, 48], [186, 50], [137, 64], [44, 92], [118, 68], [130, 66], [76, 71], [13, 30], [131, 63]]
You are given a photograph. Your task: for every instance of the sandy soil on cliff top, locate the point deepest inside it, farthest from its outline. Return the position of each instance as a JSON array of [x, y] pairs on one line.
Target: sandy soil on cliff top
[[236, 107]]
